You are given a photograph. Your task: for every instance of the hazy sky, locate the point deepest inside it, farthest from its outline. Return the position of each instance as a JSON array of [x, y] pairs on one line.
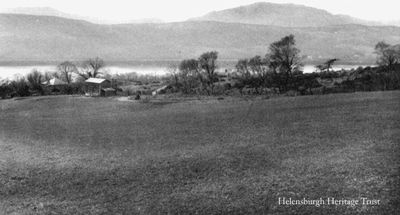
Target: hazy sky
[[178, 10]]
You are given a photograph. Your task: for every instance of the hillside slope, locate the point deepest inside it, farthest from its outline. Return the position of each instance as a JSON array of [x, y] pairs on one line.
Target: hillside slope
[[46, 38], [77, 155]]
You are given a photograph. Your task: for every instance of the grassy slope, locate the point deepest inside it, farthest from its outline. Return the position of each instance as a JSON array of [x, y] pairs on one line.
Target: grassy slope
[[72, 155]]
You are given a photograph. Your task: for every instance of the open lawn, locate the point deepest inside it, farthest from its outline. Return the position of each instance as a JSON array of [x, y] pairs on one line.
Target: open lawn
[[77, 155]]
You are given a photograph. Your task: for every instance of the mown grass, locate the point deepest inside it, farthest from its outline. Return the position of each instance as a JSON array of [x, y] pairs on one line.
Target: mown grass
[[76, 155]]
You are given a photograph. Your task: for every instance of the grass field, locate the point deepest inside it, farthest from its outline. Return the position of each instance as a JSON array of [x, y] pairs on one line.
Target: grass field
[[77, 155]]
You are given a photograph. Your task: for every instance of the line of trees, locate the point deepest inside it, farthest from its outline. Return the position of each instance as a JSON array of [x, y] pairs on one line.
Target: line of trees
[[280, 71], [277, 69], [196, 75], [32, 83], [90, 68]]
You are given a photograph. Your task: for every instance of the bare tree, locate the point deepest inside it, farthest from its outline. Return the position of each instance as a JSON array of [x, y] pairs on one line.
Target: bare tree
[[189, 75], [35, 80], [47, 76], [327, 65], [242, 67], [66, 69], [388, 55], [208, 64], [255, 72], [259, 67], [91, 68], [285, 57], [173, 72]]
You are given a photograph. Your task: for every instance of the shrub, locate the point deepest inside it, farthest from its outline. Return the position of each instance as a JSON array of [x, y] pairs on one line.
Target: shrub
[[5, 90], [20, 88], [35, 81]]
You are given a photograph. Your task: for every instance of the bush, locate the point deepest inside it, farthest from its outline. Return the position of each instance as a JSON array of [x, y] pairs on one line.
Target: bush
[[74, 88], [35, 81], [20, 88], [5, 91]]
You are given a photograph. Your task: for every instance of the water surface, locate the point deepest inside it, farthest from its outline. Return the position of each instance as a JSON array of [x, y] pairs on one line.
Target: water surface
[[12, 72]]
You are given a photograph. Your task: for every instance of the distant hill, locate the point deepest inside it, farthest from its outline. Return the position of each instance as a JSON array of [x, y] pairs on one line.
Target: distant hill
[[286, 15], [48, 38], [45, 11], [38, 11], [48, 11]]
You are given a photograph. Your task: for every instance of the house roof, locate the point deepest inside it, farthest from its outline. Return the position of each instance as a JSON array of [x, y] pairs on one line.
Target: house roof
[[96, 80], [54, 81]]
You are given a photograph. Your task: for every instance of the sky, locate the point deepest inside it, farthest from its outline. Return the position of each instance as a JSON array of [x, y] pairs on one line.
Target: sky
[[180, 10]]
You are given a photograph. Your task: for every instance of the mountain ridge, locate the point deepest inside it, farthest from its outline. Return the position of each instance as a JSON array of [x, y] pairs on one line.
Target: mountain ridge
[[46, 38], [48, 11], [289, 9], [53, 38], [285, 15]]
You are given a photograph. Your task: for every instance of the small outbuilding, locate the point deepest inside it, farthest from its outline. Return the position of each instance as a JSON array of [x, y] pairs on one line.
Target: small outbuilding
[[108, 92], [95, 86]]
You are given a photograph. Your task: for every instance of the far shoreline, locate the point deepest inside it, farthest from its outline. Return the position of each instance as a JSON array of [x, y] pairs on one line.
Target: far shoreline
[[153, 62], [155, 68]]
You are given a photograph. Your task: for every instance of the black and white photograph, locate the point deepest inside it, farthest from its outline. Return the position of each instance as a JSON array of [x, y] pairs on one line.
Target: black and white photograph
[[199, 107]]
